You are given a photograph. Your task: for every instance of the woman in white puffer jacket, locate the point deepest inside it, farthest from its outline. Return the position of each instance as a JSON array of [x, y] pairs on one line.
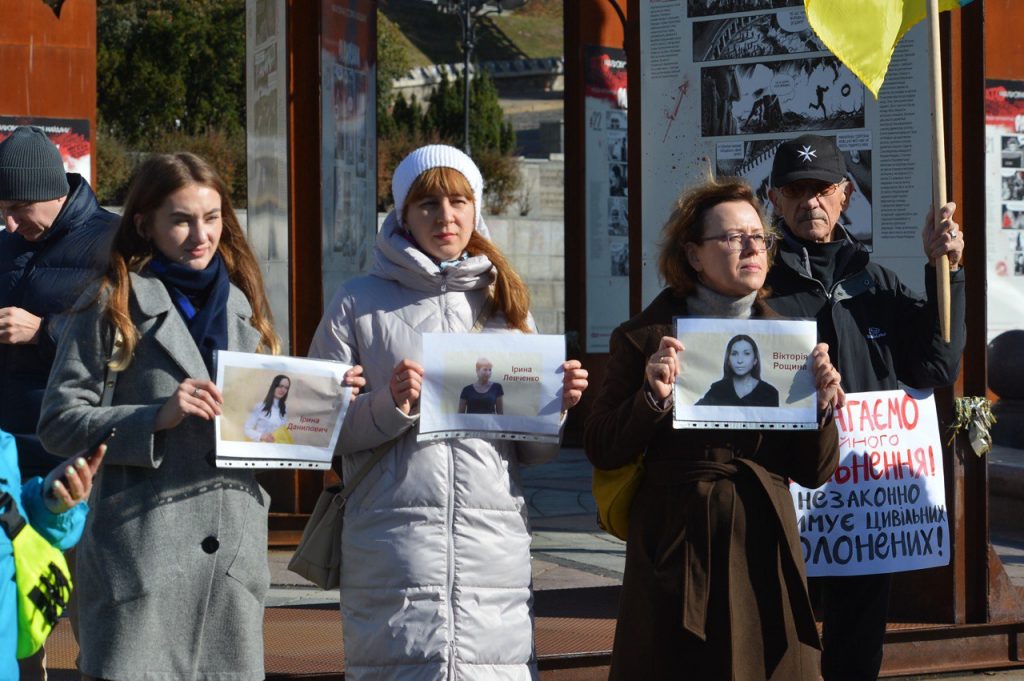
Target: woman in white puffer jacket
[[436, 581]]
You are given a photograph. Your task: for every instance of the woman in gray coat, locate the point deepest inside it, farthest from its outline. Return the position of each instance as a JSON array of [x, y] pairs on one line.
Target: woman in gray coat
[[172, 569], [436, 577]]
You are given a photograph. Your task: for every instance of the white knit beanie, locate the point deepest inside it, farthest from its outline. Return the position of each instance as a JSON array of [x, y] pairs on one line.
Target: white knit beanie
[[435, 156]]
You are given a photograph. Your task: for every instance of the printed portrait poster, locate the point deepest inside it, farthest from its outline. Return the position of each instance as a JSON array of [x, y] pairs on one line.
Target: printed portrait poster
[[884, 509], [745, 373], [69, 135], [492, 385], [279, 412]]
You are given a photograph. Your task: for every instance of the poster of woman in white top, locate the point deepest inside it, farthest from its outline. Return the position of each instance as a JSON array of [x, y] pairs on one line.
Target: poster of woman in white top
[[270, 413]]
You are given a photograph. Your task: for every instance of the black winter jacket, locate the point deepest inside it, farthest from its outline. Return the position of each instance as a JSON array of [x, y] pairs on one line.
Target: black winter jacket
[[45, 278], [878, 331]]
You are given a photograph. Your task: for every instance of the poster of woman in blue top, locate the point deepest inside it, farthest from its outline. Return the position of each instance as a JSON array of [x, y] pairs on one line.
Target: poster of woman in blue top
[[483, 396]]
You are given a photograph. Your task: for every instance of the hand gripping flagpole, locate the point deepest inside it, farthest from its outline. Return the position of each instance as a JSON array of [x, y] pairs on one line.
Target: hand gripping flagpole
[[938, 163]]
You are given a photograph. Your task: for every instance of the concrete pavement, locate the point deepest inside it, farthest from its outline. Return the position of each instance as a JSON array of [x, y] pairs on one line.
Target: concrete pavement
[[569, 551]]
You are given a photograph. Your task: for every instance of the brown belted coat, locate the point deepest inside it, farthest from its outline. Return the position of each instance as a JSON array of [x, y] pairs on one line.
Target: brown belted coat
[[714, 586]]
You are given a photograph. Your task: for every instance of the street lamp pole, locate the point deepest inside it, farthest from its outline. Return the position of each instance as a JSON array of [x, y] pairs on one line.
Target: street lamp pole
[[466, 9], [468, 44]]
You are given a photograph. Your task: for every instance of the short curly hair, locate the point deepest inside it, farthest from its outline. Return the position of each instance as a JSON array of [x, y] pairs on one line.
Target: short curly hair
[[686, 225]]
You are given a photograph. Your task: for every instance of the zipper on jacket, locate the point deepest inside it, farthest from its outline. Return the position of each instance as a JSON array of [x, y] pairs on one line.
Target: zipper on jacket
[[450, 586], [442, 300]]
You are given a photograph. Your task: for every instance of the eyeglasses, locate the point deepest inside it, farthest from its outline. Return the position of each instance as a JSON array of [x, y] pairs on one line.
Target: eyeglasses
[[736, 242], [798, 190]]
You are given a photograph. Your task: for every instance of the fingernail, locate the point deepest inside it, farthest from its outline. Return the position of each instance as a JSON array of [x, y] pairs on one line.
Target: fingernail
[[71, 471], [80, 462], [58, 484]]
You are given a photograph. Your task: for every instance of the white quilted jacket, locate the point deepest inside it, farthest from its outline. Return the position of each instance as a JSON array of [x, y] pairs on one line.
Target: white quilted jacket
[[436, 546]]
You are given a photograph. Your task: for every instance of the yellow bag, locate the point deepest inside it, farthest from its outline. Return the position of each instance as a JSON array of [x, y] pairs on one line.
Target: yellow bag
[[41, 577], [283, 436], [614, 491]]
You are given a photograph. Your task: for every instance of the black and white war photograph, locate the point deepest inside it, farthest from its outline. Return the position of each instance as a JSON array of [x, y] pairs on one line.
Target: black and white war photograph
[[816, 93], [752, 160], [618, 216], [1013, 151], [707, 8], [754, 35], [1013, 185], [619, 255]]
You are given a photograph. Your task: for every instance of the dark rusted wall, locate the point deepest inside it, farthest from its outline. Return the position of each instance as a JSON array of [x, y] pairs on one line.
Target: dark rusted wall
[[49, 62]]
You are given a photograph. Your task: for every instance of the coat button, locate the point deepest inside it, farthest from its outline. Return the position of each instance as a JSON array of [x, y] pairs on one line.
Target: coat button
[[210, 544]]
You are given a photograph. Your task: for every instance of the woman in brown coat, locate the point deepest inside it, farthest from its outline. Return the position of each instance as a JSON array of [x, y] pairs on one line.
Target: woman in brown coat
[[714, 585]]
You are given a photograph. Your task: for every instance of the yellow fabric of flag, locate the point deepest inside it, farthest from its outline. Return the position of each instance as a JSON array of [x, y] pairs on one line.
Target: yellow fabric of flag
[[863, 33]]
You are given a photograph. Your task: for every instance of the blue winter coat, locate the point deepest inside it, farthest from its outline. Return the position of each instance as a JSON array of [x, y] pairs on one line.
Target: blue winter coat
[[45, 277], [62, 531]]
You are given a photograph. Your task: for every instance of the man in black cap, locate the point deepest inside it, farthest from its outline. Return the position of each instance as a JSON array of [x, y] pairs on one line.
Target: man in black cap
[[880, 335], [56, 239]]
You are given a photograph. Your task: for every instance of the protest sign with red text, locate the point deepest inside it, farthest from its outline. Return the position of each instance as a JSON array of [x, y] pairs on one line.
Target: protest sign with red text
[[884, 508]]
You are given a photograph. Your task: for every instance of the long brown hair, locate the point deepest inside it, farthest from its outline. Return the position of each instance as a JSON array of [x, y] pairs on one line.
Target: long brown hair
[[508, 293], [686, 225], [158, 177]]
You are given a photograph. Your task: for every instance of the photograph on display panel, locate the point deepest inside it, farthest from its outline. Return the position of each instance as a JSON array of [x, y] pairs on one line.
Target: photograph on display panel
[[753, 162], [619, 258], [747, 374], [756, 35], [1013, 151], [1013, 217], [703, 8], [618, 216], [1013, 185], [816, 93]]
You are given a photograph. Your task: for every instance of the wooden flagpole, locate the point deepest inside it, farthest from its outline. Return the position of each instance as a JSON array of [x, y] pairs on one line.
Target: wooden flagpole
[[938, 162]]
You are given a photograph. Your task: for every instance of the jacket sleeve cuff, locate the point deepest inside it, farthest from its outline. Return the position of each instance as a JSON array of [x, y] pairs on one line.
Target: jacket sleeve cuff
[[390, 420], [62, 530], [46, 341]]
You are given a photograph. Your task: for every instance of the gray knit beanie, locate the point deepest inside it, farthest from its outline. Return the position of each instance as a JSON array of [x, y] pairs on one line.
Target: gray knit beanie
[[436, 156], [31, 168]]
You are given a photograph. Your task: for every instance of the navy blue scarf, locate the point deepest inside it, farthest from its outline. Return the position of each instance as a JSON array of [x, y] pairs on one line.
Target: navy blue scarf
[[201, 296]]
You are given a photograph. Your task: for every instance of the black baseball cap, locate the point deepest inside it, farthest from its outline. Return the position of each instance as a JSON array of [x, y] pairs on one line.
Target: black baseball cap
[[808, 157]]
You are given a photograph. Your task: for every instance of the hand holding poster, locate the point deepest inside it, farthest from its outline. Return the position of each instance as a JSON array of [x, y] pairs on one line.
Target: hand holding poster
[[491, 385], [279, 412], [745, 373], [884, 509]]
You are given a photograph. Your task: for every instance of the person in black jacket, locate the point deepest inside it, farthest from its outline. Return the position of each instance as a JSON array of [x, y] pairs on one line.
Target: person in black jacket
[[56, 239], [880, 334]]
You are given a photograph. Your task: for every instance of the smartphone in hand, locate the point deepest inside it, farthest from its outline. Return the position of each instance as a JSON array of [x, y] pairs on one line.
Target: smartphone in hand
[[101, 440], [87, 454]]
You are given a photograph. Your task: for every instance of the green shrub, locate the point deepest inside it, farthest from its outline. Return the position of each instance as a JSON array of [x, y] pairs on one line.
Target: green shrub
[[114, 167], [225, 151]]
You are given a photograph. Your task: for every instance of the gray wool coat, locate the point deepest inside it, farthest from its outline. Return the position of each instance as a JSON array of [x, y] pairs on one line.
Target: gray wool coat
[[172, 568]]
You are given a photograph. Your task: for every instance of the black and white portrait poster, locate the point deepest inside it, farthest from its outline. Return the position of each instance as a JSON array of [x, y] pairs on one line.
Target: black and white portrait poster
[[745, 374], [492, 385], [279, 412], [725, 81]]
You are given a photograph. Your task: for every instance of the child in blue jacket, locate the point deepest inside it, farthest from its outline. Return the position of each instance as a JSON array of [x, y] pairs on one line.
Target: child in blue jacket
[[58, 516]]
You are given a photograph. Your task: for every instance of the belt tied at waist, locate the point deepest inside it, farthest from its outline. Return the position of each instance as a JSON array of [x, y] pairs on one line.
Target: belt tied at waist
[[697, 540]]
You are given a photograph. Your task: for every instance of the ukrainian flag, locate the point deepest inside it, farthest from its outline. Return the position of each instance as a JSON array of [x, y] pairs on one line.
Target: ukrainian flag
[[864, 33]]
